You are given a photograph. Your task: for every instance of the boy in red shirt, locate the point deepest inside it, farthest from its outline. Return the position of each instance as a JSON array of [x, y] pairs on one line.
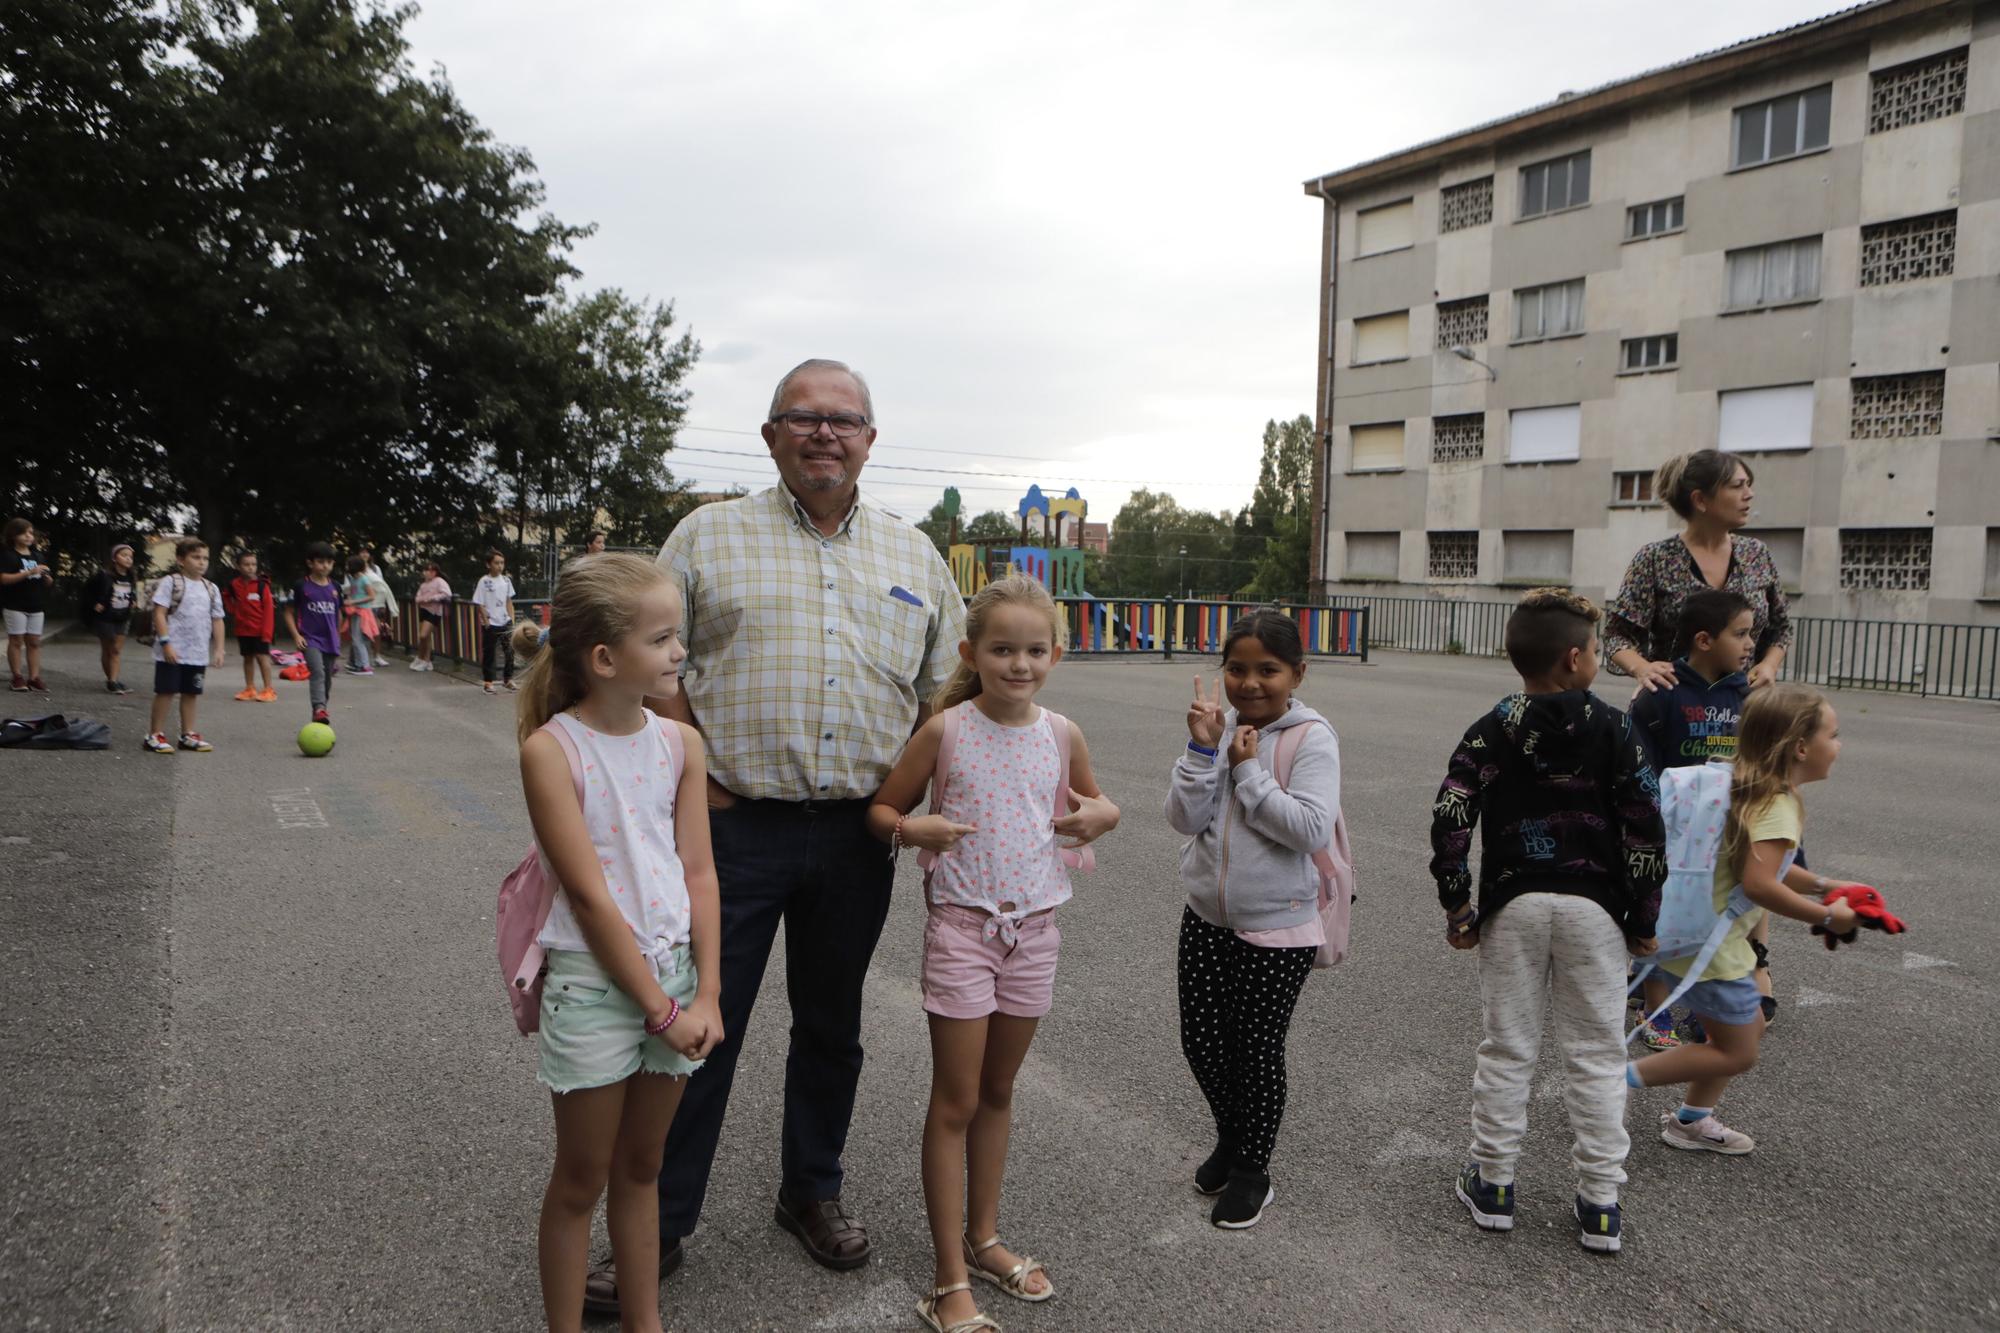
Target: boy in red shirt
[[248, 599]]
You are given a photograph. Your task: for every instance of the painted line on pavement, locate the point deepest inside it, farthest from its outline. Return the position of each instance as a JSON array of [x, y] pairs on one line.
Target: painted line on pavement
[[296, 807]]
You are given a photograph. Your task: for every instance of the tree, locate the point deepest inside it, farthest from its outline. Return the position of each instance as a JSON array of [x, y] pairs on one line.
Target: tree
[[992, 528], [1147, 538], [937, 525], [1280, 513]]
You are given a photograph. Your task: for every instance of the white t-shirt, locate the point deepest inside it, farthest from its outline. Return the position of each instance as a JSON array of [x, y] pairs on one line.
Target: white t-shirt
[[492, 595], [189, 625]]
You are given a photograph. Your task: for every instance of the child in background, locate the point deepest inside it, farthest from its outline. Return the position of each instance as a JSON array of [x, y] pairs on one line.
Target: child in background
[[1251, 927], [629, 998], [187, 638], [250, 602], [990, 940], [363, 591], [314, 621], [494, 596], [107, 609], [24, 584], [1572, 860], [433, 605], [1789, 736]]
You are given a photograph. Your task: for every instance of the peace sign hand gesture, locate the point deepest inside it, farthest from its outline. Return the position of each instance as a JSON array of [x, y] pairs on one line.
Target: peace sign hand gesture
[[1204, 717]]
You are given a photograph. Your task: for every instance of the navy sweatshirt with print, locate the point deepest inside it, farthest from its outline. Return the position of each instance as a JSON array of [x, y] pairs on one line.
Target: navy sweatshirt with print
[[1693, 722], [1570, 805]]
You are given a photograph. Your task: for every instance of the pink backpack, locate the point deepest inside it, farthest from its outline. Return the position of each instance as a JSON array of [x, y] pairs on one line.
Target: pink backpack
[[529, 891], [1333, 861], [1076, 858]]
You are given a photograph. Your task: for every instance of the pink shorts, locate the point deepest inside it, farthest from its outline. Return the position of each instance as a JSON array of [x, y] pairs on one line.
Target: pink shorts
[[969, 974]]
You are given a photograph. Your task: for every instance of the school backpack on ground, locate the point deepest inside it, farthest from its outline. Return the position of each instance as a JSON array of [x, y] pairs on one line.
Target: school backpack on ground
[[529, 891], [1333, 861], [1694, 804], [1076, 858], [53, 731]]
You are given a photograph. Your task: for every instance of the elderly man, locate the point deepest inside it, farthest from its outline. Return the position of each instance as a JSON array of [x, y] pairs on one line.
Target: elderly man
[[817, 629]]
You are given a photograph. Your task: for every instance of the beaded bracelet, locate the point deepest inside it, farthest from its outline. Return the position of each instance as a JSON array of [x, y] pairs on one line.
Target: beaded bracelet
[[673, 1012], [896, 843]]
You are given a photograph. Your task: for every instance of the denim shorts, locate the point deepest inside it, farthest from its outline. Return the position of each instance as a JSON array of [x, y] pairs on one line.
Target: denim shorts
[[594, 1034], [1737, 1001]]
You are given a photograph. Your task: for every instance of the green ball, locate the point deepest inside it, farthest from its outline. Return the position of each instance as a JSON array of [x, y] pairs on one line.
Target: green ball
[[316, 738]]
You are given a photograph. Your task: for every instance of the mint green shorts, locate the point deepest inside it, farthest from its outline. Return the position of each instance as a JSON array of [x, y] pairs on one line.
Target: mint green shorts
[[594, 1034]]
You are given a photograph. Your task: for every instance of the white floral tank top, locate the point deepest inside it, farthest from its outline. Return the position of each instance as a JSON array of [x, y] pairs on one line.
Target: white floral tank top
[[1003, 783]]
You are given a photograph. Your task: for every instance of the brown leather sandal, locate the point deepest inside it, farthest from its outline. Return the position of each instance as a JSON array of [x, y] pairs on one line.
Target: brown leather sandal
[[600, 1285], [825, 1231]]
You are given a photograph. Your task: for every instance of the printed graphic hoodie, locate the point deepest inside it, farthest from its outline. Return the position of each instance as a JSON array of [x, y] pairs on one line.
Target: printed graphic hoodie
[[1248, 862], [1571, 806], [1694, 721]]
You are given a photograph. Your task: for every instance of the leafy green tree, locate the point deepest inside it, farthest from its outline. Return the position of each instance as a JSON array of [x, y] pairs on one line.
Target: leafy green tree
[[1145, 557], [992, 528], [1280, 517]]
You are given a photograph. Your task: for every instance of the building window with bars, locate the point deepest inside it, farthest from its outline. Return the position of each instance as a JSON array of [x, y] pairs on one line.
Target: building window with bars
[[1549, 187], [1458, 439], [1452, 555], [1632, 489], [1655, 219], [1659, 351], [1551, 311], [1927, 89], [1885, 559], [1468, 204], [1889, 407], [1778, 274], [1461, 323], [1783, 127], [1909, 249]]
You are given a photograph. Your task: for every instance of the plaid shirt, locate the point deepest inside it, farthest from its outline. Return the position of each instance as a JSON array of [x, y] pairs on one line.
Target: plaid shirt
[[809, 655]]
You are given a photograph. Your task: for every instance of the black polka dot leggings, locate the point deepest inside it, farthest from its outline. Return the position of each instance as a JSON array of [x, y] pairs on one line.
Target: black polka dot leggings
[[1236, 1010]]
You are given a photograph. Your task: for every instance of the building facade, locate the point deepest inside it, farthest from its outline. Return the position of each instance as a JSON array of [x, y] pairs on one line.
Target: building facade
[[1789, 248]]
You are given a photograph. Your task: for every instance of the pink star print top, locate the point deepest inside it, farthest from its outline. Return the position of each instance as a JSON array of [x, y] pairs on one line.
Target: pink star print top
[[1003, 783], [629, 784]]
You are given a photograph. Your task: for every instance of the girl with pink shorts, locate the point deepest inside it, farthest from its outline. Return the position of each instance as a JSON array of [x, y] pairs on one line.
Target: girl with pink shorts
[[995, 871]]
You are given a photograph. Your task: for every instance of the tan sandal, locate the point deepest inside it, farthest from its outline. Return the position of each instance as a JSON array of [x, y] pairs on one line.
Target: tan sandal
[[1015, 1280], [927, 1311]]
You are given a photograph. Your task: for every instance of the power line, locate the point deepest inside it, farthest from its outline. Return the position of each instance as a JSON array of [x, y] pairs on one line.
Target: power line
[[912, 448], [970, 472]]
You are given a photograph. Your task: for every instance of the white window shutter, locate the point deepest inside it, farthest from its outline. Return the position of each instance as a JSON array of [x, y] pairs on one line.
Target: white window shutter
[[1545, 434]]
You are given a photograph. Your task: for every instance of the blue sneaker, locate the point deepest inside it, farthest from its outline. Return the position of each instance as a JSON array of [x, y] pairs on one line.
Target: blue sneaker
[[1491, 1206], [1598, 1226]]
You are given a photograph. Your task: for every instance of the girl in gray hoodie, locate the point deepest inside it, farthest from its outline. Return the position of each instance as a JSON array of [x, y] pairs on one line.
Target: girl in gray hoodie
[[1251, 926]]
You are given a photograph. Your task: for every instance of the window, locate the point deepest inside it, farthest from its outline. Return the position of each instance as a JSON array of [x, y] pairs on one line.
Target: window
[[1632, 488], [1458, 439], [1658, 219], [1773, 274], [1661, 351], [1885, 559], [1548, 312], [1562, 182], [1926, 89], [1536, 557], [1909, 250], [1452, 555], [1993, 562], [1390, 227], [1545, 434], [1461, 323], [1373, 555], [1377, 448], [1783, 127], [1890, 407], [1469, 204], [1382, 338], [1766, 420], [1788, 553]]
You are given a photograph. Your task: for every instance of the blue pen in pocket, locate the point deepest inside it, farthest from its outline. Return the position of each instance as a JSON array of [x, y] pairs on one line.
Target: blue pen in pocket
[[902, 594]]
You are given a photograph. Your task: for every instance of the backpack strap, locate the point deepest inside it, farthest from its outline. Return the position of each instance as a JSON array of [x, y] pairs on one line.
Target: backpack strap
[[1076, 858], [676, 747], [531, 961], [1290, 741], [949, 722]]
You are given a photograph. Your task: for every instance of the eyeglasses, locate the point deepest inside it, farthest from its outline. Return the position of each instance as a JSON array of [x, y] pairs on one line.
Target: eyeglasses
[[844, 425]]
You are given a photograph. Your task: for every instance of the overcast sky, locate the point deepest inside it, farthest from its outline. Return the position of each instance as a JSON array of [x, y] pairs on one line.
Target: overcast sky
[[1066, 242]]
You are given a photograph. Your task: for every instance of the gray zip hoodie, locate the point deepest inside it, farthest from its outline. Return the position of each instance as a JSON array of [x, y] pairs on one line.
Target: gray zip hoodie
[[1248, 863]]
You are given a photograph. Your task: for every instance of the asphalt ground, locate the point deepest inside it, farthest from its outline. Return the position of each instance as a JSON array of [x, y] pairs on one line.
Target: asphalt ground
[[260, 1074]]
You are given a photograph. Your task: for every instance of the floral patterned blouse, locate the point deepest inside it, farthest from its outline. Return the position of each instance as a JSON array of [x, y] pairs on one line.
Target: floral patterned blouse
[[1646, 613]]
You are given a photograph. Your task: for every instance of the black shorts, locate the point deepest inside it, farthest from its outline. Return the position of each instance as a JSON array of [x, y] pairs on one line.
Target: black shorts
[[252, 647], [178, 678], [430, 617], [107, 630]]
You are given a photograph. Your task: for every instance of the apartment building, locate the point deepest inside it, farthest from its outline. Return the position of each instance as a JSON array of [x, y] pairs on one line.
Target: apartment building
[[1789, 248]]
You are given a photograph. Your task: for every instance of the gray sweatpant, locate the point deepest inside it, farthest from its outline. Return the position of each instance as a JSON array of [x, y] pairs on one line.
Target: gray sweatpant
[[1544, 946], [323, 666]]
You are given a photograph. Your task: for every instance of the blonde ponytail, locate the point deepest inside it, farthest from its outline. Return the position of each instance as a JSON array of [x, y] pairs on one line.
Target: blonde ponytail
[[1017, 590], [596, 602]]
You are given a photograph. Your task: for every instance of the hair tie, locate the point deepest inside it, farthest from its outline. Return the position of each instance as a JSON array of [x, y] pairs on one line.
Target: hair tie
[[544, 638]]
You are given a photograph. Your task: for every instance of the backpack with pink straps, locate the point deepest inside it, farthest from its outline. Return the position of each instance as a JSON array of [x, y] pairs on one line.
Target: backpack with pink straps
[[1333, 861], [1076, 858]]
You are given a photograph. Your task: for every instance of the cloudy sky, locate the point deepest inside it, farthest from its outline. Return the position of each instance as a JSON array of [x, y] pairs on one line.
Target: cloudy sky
[[1065, 241]]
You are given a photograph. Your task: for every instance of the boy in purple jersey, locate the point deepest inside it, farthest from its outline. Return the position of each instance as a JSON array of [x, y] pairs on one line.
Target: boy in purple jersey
[[314, 620]]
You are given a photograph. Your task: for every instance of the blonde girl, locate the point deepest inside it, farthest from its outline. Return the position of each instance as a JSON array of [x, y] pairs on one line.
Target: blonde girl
[[1789, 736], [629, 1000], [990, 941]]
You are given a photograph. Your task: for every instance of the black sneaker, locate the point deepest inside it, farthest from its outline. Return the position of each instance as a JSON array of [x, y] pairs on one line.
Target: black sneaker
[[1212, 1175], [1491, 1206], [1597, 1226], [1244, 1199], [1770, 1007]]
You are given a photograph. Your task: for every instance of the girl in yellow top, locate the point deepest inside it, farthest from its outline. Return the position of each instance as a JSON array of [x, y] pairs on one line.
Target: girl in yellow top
[[1789, 736]]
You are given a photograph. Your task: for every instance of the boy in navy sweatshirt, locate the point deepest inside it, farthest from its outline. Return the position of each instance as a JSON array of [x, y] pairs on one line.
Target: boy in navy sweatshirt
[[1695, 720], [1572, 859]]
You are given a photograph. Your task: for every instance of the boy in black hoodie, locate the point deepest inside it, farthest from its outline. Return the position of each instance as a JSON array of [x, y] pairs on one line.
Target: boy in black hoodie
[[1572, 859]]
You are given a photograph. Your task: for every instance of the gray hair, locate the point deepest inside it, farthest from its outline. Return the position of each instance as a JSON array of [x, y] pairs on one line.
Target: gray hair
[[820, 363]]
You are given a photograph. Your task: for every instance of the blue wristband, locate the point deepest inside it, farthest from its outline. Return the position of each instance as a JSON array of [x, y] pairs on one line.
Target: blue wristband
[[1201, 749]]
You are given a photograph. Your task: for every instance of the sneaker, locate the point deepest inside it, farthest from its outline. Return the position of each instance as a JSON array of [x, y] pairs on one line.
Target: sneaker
[[40, 686], [121, 687], [319, 715], [1597, 1226], [1705, 1135], [1767, 1003], [1212, 1175], [246, 696], [1491, 1206], [111, 687], [361, 671], [20, 685], [1243, 1200], [159, 744], [416, 665], [1658, 1038], [430, 666], [267, 695], [510, 687], [491, 690], [1690, 1029], [191, 740]]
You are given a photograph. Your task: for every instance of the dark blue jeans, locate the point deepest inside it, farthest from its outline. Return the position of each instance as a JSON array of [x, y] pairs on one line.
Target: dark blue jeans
[[813, 867]]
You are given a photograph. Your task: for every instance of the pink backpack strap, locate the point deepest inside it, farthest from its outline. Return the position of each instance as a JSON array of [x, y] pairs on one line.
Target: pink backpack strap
[[1076, 858], [676, 748], [1324, 859], [950, 720], [531, 961]]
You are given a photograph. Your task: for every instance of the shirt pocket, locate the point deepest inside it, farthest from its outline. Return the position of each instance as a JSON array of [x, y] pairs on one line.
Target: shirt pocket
[[895, 639]]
